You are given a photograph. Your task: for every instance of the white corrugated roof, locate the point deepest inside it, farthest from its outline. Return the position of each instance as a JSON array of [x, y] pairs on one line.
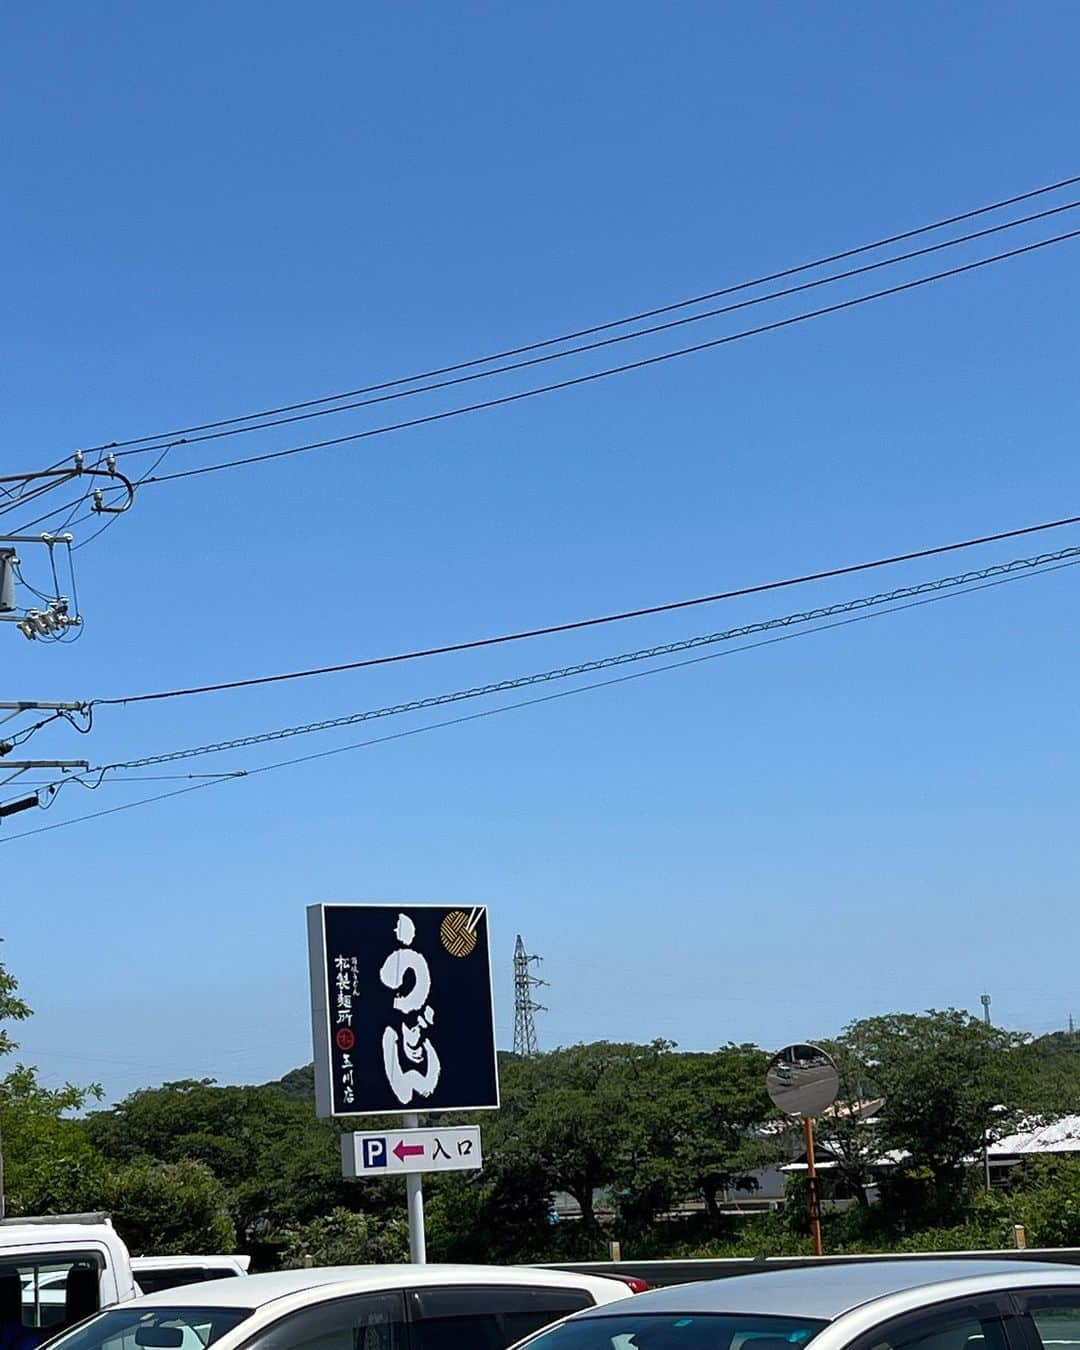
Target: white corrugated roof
[[1059, 1136]]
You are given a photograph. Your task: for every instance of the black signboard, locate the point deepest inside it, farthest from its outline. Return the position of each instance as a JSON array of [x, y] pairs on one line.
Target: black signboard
[[402, 1011]]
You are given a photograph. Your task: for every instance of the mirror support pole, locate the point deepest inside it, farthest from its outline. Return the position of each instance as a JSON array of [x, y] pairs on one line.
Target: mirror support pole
[[813, 1195]]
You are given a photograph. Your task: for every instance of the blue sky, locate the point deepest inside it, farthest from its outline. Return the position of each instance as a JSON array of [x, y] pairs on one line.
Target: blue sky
[[234, 206]]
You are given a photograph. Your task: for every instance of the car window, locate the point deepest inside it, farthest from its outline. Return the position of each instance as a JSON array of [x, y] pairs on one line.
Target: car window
[[951, 1330], [134, 1328], [365, 1322], [1056, 1318], [487, 1318], [49, 1293], [634, 1330]]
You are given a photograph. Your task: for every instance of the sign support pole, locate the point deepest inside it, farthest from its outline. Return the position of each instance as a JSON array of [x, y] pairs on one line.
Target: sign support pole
[[414, 1190], [813, 1194]]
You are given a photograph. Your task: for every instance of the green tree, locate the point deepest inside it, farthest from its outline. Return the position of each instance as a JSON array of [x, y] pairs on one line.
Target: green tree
[[577, 1112], [42, 1148], [164, 1209], [503, 1212], [849, 1129], [693, 1126], [12, 1007], [722, 1109], [949, 1082], [1050, 1069], [344, 1238], [51, 1166], [279, 1164]]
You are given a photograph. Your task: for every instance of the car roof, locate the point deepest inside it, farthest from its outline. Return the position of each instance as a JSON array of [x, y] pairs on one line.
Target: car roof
[[826, 1293], [55, 1234], [254, 1291], [174, 1262]]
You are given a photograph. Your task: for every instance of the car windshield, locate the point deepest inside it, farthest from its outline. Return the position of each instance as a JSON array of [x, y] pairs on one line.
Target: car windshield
[[164, 1328], [678, 1331]]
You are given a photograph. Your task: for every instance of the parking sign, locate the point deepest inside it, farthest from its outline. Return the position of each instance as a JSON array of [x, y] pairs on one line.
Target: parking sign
[[373, 1152], [453, 1149]]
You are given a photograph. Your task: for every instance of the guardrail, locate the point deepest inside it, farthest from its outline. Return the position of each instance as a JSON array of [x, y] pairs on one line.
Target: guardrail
[[660, 1273]]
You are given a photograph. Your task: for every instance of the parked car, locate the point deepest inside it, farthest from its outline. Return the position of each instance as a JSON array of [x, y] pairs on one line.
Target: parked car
[[880, 1305], [57, 1270], [350, 1308], [154, 1273]]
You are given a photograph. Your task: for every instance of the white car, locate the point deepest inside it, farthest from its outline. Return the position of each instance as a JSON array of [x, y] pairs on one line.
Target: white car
[[880, 1305], [66, 1267], [350, 1308], [154, 1273]]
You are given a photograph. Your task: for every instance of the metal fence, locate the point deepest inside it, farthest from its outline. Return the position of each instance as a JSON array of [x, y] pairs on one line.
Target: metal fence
[[660, 1273]]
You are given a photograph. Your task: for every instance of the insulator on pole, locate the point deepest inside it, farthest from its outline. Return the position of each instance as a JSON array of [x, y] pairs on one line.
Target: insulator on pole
[[8, 561]]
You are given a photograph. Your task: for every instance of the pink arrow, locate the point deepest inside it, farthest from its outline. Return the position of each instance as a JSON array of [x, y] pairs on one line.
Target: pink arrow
[[402, 1150]]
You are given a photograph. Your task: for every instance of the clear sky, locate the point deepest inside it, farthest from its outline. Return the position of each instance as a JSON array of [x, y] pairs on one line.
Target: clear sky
[[216, 207]]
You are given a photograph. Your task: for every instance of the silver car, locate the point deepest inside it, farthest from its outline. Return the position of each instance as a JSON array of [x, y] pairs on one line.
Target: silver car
[[882, 1305]]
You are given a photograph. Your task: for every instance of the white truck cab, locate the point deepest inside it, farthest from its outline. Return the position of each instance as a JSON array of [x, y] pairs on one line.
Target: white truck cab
[[58, 1269]]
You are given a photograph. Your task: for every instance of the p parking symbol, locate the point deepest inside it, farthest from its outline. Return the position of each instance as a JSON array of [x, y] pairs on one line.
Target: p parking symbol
[[373, 1152]]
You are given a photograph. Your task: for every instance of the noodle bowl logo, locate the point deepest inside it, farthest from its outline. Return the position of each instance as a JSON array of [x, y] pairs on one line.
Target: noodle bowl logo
[[458, 935]]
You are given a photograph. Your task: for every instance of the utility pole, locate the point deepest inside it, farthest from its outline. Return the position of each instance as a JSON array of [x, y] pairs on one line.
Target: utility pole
[[52, 621], [12, 769], [984, 999], [524, 1005], [3, 1204], [56, 619]]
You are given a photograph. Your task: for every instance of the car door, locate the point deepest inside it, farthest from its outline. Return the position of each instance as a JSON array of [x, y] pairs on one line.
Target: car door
[[987, 1322], [1050, 1317], [361, 1322], [486, 1317]]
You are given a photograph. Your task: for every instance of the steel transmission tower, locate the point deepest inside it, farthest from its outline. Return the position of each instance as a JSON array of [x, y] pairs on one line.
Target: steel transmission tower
[[524, 1004]]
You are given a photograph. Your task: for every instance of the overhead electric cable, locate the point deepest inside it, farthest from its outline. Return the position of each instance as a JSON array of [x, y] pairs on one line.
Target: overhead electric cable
[[601, 663], [638, 317], [537, 700], [592, 376], [631, 336], [594, 622]]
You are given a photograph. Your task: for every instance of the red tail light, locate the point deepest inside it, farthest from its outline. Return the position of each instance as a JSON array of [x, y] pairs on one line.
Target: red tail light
[[634, 1283]]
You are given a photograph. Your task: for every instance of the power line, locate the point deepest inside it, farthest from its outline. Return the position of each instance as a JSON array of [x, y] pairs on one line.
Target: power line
[[573, 625], [603, 663], [631, 336], [638, 317], [535, 701], [640, 364], [23, 499]]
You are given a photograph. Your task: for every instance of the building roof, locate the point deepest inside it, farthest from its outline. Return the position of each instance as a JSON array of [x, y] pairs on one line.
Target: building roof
[[1059, 1136], [827, 1292]]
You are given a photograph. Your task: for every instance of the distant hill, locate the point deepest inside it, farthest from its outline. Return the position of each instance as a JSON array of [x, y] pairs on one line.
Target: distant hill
[[1058, 1047], [298, 1084]]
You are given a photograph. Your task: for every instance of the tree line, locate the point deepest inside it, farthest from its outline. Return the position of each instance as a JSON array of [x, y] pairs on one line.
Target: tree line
[[646, 1139]]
